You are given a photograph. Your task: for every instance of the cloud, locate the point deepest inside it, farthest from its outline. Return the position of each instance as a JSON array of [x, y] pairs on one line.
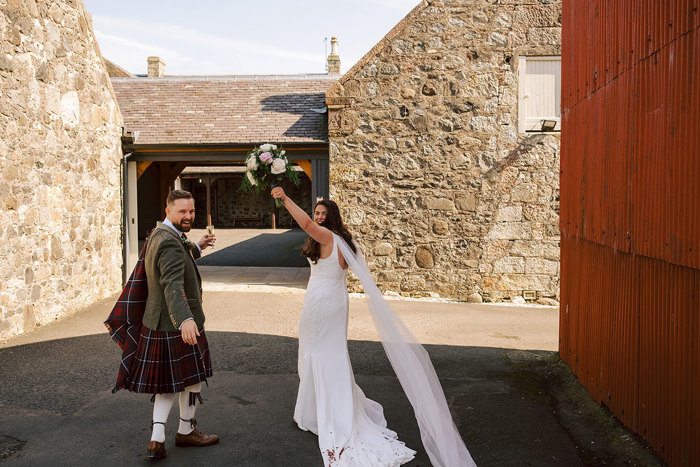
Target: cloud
[[149, 49], [177, 34], [131, 54], [398, 4]]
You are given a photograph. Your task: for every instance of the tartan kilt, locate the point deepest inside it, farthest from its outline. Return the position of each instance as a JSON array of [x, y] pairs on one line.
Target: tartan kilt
[[164, 363]]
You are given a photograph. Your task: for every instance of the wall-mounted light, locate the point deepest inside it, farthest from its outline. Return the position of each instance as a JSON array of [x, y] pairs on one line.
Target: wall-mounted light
[[530, 294], [548, 125], [200, 180]]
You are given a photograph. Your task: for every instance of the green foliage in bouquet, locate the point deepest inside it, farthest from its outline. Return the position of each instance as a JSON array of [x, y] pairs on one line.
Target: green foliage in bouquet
[[267, 166]]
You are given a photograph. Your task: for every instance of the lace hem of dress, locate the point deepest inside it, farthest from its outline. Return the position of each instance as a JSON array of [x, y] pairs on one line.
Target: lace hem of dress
[[385, 451]]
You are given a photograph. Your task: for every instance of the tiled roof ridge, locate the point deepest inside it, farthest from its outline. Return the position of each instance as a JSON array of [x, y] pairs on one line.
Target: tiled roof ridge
[[237, 78]]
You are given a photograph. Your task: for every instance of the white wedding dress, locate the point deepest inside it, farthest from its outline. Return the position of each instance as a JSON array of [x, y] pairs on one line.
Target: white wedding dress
[[351, 428]]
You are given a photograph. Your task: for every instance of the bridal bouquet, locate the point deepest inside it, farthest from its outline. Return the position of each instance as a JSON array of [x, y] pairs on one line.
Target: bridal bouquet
[[266, 167]]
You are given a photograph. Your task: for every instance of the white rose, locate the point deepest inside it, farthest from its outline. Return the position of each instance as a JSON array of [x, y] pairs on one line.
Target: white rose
[[273, 146], [252, 162], [283, 152], [265, 147], [250, 178], [278, 166]]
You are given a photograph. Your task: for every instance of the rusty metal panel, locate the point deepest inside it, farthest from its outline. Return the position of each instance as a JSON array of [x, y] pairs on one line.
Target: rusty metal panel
[[631, 126], [629, 329], [630, 214]]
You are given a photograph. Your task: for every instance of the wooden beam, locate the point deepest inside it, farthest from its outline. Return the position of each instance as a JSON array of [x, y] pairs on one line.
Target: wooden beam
[[165, 147], [175, 170], [141, 167], [158, 170], [306, 167], [214, 156], [209, 200], [167, 173]]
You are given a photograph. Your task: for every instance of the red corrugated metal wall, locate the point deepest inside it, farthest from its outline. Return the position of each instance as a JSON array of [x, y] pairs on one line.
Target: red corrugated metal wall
[[630, 213]]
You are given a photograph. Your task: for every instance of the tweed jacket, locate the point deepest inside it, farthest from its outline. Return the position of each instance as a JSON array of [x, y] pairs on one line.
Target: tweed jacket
[[174, 284]]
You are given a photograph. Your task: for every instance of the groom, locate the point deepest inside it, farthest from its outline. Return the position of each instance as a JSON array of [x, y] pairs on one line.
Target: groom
[[173, 354]]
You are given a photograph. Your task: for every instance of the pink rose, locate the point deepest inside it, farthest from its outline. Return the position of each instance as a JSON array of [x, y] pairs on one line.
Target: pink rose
[[266, 157]]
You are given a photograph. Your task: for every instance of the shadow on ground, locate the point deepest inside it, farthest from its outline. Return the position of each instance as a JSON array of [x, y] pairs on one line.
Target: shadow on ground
[[512, 407], [268, 250]]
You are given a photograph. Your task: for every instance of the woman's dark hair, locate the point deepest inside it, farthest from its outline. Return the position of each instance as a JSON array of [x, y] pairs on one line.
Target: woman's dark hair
[[334, 223]]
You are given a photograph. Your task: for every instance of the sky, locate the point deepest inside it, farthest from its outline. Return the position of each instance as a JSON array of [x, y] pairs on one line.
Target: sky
[[236, 37]]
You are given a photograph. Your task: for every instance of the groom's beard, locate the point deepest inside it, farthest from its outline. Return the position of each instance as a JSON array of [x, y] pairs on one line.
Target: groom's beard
[[183, 228]]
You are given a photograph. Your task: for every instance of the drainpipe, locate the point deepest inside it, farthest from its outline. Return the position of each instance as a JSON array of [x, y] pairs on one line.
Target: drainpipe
[[125, 221], [127, 139]]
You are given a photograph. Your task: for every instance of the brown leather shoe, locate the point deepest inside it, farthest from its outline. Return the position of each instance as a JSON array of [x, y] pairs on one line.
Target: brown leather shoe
[[196, 438], [156, 450]]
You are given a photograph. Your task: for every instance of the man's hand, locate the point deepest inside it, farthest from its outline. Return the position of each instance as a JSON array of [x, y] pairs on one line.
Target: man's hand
[[207, 240], [189, 332]]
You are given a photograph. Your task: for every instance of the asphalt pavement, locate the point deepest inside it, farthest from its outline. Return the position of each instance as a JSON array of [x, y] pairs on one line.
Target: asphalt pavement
[[513, 400], [254, 247]]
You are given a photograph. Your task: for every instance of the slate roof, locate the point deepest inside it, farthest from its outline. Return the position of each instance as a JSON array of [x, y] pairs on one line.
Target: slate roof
[[224, 109]]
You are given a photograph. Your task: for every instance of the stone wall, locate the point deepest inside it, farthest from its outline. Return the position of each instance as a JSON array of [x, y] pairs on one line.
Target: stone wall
[[60, 153], [443, 192]]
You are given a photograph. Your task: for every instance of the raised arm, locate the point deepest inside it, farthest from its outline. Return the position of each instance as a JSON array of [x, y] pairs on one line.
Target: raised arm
[[321, 234]]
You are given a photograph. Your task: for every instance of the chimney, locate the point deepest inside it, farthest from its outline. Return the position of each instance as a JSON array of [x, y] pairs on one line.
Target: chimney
[[333, 58], [156, 67]]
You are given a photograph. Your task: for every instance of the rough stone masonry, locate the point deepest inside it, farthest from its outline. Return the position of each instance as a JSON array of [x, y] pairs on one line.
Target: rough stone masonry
[[444, 192], [60, 156]]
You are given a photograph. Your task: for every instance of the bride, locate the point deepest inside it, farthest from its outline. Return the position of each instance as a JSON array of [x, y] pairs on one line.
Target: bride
[[351, 428]]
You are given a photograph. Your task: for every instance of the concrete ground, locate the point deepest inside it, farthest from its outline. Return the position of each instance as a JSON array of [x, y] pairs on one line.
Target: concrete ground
[[514, 402], [254, 248]]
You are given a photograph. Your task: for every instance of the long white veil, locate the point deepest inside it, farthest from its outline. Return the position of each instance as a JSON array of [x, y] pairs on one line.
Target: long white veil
[[414, 370]]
